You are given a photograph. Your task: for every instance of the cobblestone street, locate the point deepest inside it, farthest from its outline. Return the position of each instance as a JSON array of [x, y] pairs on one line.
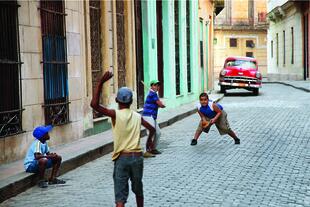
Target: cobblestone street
[[269, 168]]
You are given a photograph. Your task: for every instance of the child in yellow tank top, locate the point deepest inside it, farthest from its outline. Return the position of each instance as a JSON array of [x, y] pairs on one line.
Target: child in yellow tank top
[[127, 153]]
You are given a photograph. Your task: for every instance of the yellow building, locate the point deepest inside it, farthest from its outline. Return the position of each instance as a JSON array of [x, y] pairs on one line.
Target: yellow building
[[241, 30], [53, 52], [206, 12]]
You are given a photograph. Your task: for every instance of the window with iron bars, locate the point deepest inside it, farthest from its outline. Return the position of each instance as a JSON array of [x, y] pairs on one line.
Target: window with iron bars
[[10, 81], [177, 47], [55, 65]]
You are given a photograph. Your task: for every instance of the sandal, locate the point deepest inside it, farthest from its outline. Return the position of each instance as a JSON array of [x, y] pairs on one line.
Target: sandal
[[56, 181], [42, 184]]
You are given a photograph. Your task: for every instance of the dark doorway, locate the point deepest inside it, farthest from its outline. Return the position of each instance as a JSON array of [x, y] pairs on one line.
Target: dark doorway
[[139, 54], [160, 60], [306, 46], [95, 45]]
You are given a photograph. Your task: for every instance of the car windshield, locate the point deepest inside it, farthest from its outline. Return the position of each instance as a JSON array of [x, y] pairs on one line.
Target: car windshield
[[244, 64]]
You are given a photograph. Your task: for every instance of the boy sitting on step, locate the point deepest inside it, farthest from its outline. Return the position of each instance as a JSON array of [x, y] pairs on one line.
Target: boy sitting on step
[[39, 158]]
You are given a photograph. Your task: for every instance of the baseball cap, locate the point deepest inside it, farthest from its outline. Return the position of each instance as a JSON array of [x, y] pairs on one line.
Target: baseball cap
[[40, 131], [124, 95], [153, 82]]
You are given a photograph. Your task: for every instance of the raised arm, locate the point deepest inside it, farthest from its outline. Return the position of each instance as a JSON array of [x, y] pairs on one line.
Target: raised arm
[[96, 96]]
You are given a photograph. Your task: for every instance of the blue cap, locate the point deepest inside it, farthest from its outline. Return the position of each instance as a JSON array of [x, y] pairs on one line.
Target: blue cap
[[40, 131], [124, 95]]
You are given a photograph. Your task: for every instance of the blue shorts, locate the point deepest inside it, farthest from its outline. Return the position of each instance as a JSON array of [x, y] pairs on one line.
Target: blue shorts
[[126, 168], [34, 166]]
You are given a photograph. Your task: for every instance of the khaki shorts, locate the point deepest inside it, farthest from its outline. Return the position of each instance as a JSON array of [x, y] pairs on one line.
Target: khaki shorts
[[221, 124]]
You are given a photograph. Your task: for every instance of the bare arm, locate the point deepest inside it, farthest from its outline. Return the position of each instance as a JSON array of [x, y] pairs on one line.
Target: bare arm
[[218, 113], [201, 115], [95, 100], [148, 127], [38, 155], [160, 104]]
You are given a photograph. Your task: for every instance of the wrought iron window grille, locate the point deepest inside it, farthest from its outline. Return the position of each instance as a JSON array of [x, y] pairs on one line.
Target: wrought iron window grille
[[10, 64], [55, 65]]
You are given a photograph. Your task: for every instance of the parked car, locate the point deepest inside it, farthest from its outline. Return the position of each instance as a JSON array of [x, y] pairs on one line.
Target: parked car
[[240, 72]]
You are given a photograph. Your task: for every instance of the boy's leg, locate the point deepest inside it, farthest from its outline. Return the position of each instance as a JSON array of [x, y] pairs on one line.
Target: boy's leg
[[120, 204], [224, 128], [156, 137], [197, 134], [42, 165], [150, 141], [55, 162], [136, 179], [56, 165], [121, 176]]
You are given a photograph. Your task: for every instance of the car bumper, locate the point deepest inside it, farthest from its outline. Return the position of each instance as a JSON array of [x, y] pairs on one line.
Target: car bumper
[[240, 85]]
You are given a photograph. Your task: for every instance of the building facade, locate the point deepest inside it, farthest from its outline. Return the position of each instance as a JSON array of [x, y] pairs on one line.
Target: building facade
[[53, 52], [43, 73], [176, 48], [241, 30], [288, 40]]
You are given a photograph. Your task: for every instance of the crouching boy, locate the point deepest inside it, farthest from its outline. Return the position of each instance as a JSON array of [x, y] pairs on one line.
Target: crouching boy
[[39, 158]]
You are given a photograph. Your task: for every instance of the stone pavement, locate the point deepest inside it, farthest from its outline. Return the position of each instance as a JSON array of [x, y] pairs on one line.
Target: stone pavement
[[269, 168], [14, 180], [301, 85]]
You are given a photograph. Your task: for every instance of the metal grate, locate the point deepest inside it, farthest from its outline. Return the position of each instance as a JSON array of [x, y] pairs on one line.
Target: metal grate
[[95, 42], [55, 65], [10, 81], [240, 79], [177, 47]]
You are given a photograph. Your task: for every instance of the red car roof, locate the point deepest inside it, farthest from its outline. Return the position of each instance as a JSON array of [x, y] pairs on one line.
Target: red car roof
[[240, 58]]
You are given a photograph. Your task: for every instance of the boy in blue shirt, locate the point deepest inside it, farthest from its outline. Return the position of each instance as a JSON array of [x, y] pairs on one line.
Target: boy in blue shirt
[[212, 113], [150, 110], [39, 158]]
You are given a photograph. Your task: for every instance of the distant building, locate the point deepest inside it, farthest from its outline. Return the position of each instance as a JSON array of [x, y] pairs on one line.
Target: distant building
[[288, 40], [241, 30]]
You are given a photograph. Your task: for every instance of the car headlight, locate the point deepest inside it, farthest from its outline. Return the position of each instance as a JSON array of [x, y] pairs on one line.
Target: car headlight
[[258, 75], [223, 72]]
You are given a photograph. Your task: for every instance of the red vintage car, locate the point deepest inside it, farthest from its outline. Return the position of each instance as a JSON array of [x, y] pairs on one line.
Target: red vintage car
[[240, 72]]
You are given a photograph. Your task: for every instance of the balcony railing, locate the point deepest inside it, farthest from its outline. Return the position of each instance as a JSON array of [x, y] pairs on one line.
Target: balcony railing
[[259, 20]]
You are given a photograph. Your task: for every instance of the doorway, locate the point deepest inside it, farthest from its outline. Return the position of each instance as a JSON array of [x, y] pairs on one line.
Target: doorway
[[201, 56], [160, 59], [139, 54], [207, 54], [306, 46]]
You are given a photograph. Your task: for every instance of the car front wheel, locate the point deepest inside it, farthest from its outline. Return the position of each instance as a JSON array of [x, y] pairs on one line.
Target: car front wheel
[[256, 91], [223, 90]]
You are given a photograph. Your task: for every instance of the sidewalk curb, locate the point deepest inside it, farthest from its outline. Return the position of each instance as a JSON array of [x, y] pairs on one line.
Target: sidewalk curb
[[23, 181], [287, 84]]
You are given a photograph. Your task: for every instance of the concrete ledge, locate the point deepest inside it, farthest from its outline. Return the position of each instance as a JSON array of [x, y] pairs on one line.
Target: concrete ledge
[[22, 181]]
